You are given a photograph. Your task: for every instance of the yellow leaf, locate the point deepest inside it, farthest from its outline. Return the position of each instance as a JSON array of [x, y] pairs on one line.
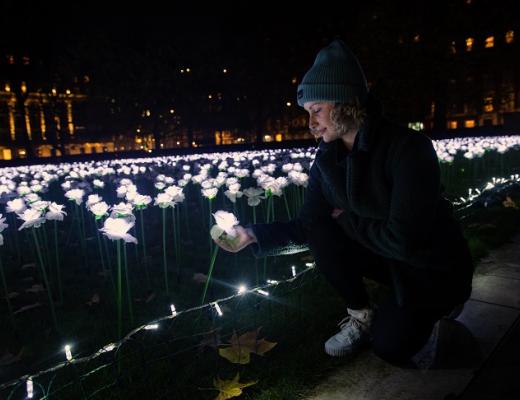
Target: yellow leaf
[[230, 388], [236, 355]]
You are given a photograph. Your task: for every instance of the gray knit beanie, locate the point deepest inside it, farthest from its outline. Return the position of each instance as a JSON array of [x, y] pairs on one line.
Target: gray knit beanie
[[336, 76]]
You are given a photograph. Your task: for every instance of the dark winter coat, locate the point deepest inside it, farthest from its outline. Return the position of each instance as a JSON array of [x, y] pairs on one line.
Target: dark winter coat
[[389, 189]]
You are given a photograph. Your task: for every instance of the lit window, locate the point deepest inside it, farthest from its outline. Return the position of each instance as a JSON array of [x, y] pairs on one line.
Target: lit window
[[7, 87], [10, 59], [488, 104], [26, 60], [278, 137], [452, 125], [490, 42], [469, 123], [294, 80], [469, 44], [510, 35], [416, 38]]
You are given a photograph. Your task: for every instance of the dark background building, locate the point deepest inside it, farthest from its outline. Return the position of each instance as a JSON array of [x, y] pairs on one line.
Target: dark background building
[[83, 85]]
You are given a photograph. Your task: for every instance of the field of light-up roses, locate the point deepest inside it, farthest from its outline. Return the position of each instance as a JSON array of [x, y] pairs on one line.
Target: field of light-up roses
[[94, 254]]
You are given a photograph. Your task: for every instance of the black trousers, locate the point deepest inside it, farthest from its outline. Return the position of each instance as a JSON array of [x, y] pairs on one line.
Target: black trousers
[[403, 322]]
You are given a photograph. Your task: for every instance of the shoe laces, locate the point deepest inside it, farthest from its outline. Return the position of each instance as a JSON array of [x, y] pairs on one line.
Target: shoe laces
[[349, 320]]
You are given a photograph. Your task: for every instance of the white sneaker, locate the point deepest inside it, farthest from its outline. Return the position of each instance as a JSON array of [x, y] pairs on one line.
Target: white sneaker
[[355, 331]]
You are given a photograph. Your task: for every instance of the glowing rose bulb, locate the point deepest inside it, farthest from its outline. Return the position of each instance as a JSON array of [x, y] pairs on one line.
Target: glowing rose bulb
[[30, 388], [68, 353]]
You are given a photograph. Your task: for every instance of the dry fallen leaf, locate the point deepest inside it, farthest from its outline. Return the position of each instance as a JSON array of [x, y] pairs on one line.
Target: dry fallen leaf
[[200, 278], [509, 203], [231, 388], [240, 348]]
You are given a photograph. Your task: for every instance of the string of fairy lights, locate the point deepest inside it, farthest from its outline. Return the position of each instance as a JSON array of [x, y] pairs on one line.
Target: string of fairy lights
[[242, 290], [496, 186]]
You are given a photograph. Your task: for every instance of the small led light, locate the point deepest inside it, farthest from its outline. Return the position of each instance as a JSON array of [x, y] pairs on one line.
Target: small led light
[[172, 309], [242, 289], [30, 388], [108, 348], [218, 309], [263, 292], [68, 353], [293, 270], [151, 327], [310, 265], [272, 282]]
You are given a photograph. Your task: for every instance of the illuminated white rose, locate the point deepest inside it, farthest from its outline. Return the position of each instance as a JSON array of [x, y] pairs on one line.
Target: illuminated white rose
[[141, 201], [226, 221], [3, 225], [31, 218], [55, 212], [164, 200], [17, 206], [210, 193], [122, 210], [93, 199], [117, 228], [99, 209], [75, 195]]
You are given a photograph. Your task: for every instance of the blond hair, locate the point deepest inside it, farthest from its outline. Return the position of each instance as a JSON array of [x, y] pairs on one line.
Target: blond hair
[[348, 117]]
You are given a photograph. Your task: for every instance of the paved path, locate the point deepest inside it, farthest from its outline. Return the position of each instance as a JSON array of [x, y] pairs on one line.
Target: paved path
[[468, 347]]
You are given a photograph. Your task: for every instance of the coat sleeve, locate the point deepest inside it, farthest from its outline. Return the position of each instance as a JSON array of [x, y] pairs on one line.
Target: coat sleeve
[[282, 238], [407, 231]]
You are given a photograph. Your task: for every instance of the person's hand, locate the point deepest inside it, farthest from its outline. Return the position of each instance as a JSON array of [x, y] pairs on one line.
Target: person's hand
[[244, 237]]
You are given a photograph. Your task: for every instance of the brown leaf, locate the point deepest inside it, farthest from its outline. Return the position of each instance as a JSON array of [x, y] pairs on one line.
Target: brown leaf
[[509, 203], [230, 388], [200, 278], [240, 348]]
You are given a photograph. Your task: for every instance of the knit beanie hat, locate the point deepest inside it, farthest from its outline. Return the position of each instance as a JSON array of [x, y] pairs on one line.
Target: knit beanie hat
[[336, 76]]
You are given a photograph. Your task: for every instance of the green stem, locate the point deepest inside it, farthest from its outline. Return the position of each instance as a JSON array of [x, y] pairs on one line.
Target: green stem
[[119, 300], [286, 205], [58, 267], [128, 288], [45, 279], [165, 266], [210, 272], [143, 244], [209, 226]]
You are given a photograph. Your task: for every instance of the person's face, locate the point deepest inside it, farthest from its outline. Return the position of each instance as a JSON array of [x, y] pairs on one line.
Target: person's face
[[320, 124]]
